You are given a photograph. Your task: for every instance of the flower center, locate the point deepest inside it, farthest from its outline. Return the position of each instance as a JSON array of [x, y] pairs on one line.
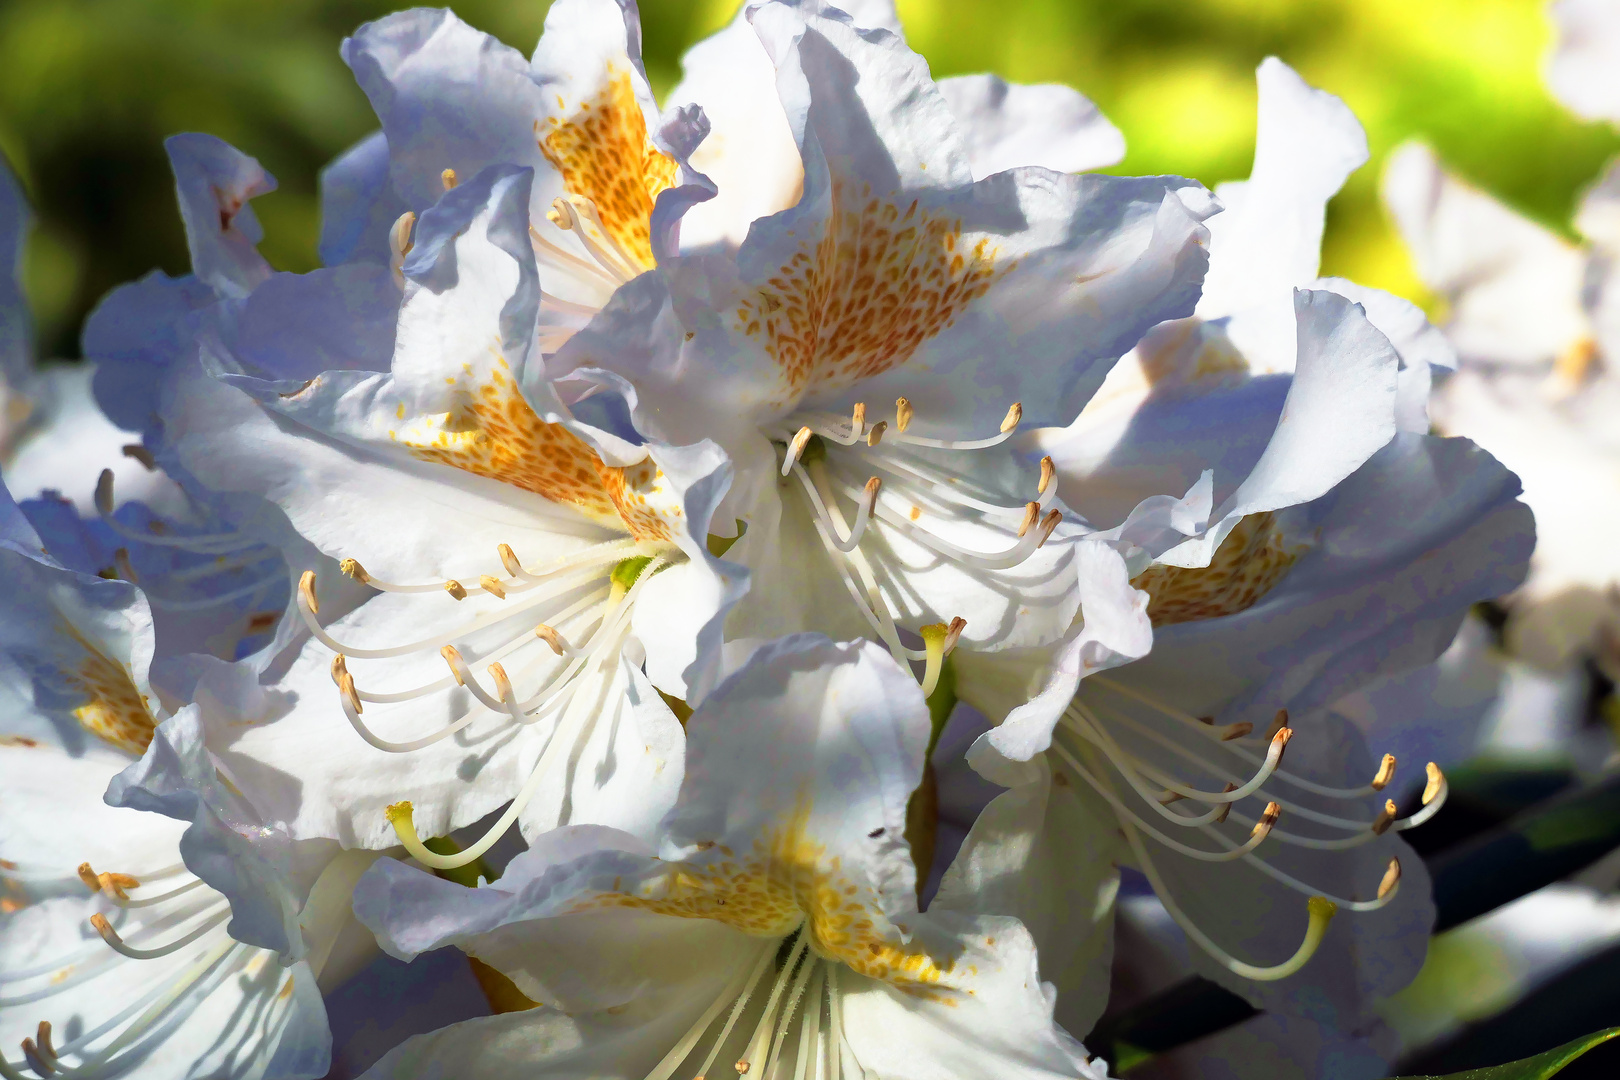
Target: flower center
[[1252, 559], [1099, 741], [916, 488], [556, 632]]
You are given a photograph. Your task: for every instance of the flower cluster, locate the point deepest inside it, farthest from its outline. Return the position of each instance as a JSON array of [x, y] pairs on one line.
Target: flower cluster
[[659, 488]]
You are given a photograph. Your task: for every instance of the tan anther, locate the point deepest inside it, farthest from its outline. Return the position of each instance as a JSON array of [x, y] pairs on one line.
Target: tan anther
[[1225, 808], [1236, 731], [1047, 525], [340, 668], [857, 420], [1166, 797], [87, 874], [801, 439], [1014, 414], [509, 560], [873, 486], [112, 885], [1267, 819], [559, 216], [400, 236], [954, 633], [456, 589], [46, 1046], [875, 436], [126, 569], [1278, 722], [741, 1067], [1385, 818], [104, 491], [551, 637], [1386, 773], [448, 179], [1048, 470], [1032, 514], [903, 413], [346, 687], [1392, 878], [352, 568], [1282, 737], [492, 586], [306, 592], [503, 685], [453, 658], [142, 455], [1437, 780]]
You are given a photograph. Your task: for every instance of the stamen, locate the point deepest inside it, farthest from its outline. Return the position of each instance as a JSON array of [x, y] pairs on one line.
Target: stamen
[[1051, 522], [903, 413], [573, 214], [456, 590], [306, 593], [857, 421], [1015, 413], [509, 559], [1225, 807], [1048, 471], [1032, 514], [110, 936], [758, 1044], [1392, 879], [1385, 818], [551, 636], [126, 569], [448, 179], [111, 885], [1386, 773], [144, 456], [568, 258], [1278, 722], [958, 624], [875, 436], [795, 448], [400, 244], [1235, 731], [350, 694], [1268, 818], [938, 640], [353, 569], [863, 515], [36, 1060], [492, 586], [1436, 784], [104, 492], [46, 1049], [736, 994]]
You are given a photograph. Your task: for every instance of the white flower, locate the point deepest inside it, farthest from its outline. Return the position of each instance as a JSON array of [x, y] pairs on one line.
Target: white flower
[[777, 933], [865, 355], [1582, 66], [1319, 547], [497, 536], [169, 992]]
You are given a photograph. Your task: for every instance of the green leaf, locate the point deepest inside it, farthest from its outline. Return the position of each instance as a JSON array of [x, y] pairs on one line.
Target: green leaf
[[1539, 1067]]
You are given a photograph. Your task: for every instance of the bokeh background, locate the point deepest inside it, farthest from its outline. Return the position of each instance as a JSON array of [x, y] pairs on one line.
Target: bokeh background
[[89, 89]]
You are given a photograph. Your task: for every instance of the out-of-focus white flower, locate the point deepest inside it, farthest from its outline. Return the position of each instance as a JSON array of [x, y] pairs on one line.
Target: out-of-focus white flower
[[973, 305], [775, 933], [1323, 542], [1585, 58], [169, 992]]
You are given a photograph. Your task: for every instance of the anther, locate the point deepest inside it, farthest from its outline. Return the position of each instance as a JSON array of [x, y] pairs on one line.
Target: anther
[[509, 560], [1014, 414], [503, 685], [492, 586], [1050, 523], [742, 1067], [550, 636], [306, 592], [350, 694], [875, 436], [1236, 731], [1225, 807], [144, 456], [457, 664], [399, 237], [902, 413], [1386, 773], [340, 668], [46, 1048], [104, 491], [448, 179], [1267, 819], [1436, 784], [934, 636], [795, 448], [1385, 818], [857, 420], [126, 569], [456, 589], [1278, 722], [1167, 797], [1392, 878], [1032, 513], [353, 569], [954, 633], [1048, 471]]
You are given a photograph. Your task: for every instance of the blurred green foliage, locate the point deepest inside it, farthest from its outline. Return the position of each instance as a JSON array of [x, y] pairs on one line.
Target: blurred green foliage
[[89, 88]]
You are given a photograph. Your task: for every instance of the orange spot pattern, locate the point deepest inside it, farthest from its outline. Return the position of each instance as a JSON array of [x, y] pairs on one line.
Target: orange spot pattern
[[497, 435], [113, 710], [785, 882], [1249, 562], [603, 154], [880, 281]]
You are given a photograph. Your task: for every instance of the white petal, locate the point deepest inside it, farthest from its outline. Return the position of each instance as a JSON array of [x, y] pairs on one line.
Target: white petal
[[1008, 125]]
